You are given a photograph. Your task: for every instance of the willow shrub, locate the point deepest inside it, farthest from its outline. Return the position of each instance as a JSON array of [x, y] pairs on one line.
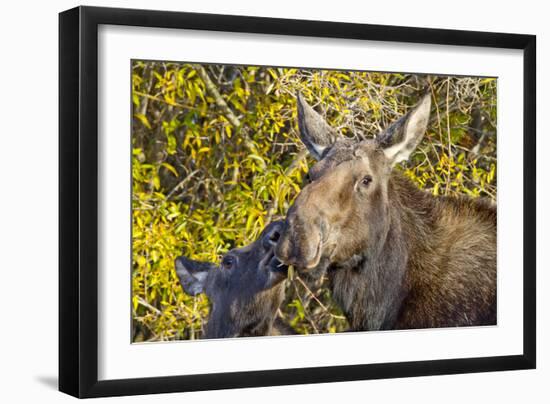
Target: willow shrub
[[216, 156]]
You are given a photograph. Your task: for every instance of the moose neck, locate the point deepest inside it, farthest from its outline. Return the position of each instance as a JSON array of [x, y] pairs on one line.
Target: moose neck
[[263, 310], [371, 286], [252, 315]]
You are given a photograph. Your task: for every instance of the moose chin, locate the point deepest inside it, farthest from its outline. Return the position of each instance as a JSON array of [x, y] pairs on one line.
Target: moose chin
[[245, 290], [396, 257]]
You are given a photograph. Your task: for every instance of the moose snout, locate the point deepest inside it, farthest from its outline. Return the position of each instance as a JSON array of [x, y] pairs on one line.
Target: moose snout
[[299, 245]]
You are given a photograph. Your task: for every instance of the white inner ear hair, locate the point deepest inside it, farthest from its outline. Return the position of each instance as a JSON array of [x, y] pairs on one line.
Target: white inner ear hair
[[412, 134]]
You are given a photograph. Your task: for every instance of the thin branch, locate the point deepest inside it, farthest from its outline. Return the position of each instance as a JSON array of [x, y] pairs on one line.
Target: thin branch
[[155, 98], [325, 308], [306, 316], [222, 105], [220, 102], [289, 170], [181, 184], [295, 163], [150, 307]]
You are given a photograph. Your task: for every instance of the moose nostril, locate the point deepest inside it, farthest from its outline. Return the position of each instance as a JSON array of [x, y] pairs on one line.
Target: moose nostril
[[271, 239], [274, 237]]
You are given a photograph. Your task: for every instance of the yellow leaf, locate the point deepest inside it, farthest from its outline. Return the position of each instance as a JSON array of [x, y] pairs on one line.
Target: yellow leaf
[[141, 260], [143, 119], [170, 168]]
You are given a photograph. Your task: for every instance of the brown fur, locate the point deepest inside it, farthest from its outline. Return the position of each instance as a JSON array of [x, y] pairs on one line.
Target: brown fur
[[450, 274], [397, 257]]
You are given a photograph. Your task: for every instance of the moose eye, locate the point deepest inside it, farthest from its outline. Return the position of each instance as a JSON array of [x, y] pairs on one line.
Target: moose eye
[[228, 262], [307, 178], [366, 180]]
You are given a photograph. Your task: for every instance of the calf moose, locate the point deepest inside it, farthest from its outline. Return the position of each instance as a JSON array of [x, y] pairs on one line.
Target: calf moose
[[245, 290], [396, 256]]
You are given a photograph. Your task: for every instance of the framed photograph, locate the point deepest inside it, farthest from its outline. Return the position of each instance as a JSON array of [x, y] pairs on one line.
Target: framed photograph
[[251, 201]]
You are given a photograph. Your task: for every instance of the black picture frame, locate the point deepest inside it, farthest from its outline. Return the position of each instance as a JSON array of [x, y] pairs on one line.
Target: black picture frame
[[78, 201]]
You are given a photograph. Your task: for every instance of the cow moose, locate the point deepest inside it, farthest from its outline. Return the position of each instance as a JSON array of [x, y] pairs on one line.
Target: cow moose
[[245, 290], [396, 257]]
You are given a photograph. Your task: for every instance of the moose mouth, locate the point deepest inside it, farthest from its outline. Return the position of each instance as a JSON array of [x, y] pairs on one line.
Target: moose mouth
[[314, 262], [274, 265]]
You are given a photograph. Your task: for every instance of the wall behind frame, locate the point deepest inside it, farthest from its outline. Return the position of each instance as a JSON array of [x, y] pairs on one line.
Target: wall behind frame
[[28, 207]]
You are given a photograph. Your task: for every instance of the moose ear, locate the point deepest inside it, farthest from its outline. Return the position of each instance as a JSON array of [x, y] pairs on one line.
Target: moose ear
[[193, 274], [402, 137], [315, 133]]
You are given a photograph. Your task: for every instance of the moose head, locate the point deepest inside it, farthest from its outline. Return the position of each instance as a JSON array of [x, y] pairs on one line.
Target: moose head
[[343, 210], [245, 289]]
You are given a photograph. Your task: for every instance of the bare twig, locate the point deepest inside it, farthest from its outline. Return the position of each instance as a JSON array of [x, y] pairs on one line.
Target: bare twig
[[288, 171], [310, 321], [220, 103], [325, 308], [297, 159], [149, 306], [181, 183], [155, 98]]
